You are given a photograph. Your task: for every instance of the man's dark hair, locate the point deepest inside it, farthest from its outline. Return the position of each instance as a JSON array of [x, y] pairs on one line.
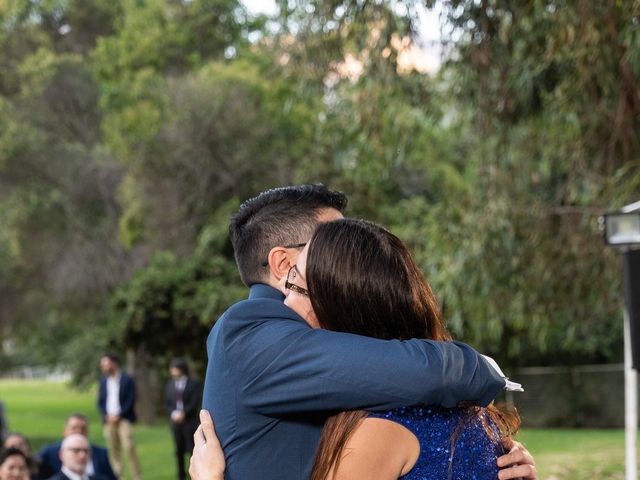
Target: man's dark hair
[[10, 452], [180, 364], [112, 356], [80, 416], [278, 217]]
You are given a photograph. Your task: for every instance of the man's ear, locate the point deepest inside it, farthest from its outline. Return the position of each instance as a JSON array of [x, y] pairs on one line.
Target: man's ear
[[280, 261]]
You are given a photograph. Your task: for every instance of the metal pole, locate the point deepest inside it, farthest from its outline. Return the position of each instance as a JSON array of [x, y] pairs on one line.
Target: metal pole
[[630, 405]]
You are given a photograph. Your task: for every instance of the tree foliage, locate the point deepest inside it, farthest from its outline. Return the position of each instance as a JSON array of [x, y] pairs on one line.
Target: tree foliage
[[130, 130]]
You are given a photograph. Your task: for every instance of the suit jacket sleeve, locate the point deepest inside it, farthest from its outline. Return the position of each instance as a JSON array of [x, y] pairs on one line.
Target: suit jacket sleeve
[[169, 397], [127, 395], [101, 463], [102, 397], [49, 460], [289, 367], [192, 398]]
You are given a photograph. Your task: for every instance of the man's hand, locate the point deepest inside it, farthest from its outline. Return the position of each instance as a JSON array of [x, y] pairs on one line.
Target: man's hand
[[518, 463], [113, 419], [177, 416], [207, 461]]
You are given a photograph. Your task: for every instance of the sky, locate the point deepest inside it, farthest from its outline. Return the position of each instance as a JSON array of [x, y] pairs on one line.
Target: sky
[[428, 55]]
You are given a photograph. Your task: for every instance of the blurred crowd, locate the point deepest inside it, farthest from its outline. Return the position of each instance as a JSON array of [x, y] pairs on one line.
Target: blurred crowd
[[73, 457]]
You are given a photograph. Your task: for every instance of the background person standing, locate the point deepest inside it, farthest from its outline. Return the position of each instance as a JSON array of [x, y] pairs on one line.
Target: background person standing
[[116, 402], [183, 397]]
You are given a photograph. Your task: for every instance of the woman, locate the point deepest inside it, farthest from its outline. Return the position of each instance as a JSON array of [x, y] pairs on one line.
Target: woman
[[352, 277], [361, 279], [13, 465]]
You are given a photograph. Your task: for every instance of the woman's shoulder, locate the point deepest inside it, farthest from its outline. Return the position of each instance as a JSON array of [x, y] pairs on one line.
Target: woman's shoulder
[[378, 449]]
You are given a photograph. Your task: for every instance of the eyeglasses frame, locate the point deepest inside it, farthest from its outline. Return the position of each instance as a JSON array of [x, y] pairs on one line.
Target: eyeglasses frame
[[292, 286], [295, 245]]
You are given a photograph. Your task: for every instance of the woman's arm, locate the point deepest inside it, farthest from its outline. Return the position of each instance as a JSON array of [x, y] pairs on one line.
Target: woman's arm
[[378, 449]]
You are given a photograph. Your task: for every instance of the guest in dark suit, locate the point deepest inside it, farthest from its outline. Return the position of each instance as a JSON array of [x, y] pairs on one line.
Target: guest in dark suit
[[182, 397], [116, 402], [75, 454], [50, 462]]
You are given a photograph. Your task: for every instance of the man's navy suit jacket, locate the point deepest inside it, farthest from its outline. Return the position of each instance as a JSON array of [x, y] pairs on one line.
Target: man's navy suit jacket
[[272, 381], [127, 397], [50, 461]]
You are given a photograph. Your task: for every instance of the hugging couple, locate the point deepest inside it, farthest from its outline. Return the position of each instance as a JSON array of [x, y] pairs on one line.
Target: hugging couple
[[338, 365]]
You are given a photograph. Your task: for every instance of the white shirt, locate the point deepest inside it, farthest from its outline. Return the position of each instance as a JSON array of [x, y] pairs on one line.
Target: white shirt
[[179, 384], [72, 475], [113, 395], [91, 470]]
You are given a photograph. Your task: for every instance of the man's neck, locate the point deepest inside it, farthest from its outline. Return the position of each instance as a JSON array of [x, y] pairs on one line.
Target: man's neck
[[72, 475]]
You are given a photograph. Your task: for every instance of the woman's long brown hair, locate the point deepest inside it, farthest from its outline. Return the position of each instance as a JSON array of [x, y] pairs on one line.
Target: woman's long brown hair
[[362, 279]]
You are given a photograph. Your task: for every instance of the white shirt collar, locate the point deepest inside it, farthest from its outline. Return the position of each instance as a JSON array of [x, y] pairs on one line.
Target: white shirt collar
[[72, 475]]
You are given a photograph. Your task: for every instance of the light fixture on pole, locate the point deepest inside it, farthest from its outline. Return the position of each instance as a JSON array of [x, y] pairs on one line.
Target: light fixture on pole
[[622, 230]]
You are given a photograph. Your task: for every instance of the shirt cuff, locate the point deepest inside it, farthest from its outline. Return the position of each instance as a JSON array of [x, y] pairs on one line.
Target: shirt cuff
[[509, 386]]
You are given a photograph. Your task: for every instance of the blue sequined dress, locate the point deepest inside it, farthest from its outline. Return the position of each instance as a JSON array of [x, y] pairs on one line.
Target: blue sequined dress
[[454, 443]]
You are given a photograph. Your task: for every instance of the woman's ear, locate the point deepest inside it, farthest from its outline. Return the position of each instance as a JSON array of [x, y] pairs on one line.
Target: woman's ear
[[280, 261]]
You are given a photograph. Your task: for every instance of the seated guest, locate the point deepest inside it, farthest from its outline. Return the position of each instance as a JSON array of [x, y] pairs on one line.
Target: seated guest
[[98, 463], [75, 454], [14, 465], [18, 441]]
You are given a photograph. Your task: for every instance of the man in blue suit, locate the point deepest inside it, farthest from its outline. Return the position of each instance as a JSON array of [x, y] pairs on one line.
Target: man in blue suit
[[50, 454], [116, 402], [272, 380]]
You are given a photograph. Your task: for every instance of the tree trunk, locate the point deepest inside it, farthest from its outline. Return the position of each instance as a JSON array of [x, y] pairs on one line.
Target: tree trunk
[[146, 384]]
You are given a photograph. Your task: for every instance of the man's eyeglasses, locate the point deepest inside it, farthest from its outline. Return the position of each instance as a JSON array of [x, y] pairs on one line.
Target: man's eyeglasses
[[78, 450], [289, 285], [296, 245]]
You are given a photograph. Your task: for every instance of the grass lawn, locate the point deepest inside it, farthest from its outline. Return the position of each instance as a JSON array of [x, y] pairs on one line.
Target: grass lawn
[[38, 409], [576, 454]]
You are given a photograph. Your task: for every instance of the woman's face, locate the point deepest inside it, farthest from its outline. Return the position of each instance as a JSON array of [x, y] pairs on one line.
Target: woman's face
[[297, 295], [14, 468]]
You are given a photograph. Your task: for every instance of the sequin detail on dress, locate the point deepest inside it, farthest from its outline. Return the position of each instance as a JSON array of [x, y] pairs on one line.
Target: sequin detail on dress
[[474, 451]]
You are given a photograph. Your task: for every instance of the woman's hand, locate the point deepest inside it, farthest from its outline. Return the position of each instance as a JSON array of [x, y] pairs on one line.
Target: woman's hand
[[207, 461], [518, 463]]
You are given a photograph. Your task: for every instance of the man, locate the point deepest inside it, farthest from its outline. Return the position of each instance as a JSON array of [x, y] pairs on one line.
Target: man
[[116, 402], [182, 397], [50, 454], [272, 380], [75, 454]]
